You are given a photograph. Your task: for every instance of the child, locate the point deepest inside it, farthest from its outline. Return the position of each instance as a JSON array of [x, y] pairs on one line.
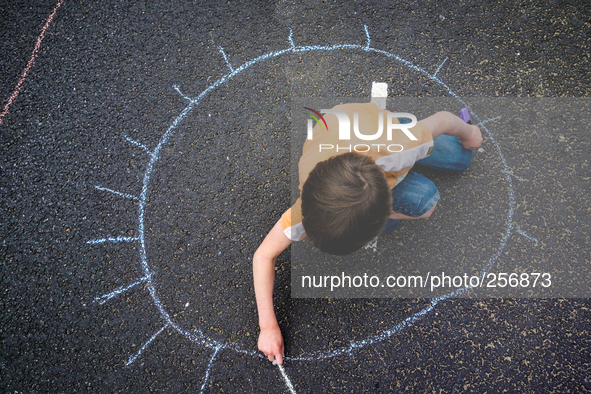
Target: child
[[349, 195]]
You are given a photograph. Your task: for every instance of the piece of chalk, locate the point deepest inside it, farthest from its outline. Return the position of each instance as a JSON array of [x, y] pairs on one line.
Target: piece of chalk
[[465, 115], [379, 89], [379, 93]]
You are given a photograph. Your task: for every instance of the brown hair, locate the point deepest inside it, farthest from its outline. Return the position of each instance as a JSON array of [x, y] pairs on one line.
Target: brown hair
[[346, 202]]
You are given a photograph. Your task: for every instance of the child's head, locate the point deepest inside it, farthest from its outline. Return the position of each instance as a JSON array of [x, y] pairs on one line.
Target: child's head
[[346, 202]]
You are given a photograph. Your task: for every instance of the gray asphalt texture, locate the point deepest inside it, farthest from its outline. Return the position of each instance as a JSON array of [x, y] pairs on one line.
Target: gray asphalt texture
[[106, 70]]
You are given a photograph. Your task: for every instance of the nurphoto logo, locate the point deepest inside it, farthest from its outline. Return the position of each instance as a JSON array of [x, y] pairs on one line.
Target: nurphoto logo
[[344, 131]]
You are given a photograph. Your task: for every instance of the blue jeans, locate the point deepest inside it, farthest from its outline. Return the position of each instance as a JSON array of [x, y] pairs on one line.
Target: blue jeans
[[416, 194]]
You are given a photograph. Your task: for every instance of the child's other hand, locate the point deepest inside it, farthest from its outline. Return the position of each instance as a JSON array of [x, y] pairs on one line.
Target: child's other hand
[[271, 344], [474, 140]]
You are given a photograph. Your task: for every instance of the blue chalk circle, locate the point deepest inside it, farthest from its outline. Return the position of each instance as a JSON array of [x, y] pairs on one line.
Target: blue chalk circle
[[218, 346]]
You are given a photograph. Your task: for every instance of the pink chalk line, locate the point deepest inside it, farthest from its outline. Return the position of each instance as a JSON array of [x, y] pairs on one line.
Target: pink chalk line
[[29, 64]]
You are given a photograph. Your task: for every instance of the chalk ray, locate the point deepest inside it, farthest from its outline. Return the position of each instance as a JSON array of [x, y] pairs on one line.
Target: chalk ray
[[124, 195], [217, 349], [439, 68], [291, 39], [367, 47], [144, 147], [527, 236], [112, 240], [102, 299], [226, 58], [139, 353], [176, 87]]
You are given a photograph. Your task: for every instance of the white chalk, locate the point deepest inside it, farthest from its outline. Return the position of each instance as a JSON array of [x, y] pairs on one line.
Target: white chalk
[[379, 93], [379, 89]]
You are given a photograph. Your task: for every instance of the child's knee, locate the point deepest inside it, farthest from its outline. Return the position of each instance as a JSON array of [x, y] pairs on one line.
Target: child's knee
[[417, 196], [463, 161]]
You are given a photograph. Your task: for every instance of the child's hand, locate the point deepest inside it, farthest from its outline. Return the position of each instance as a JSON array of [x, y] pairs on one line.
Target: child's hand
[[271, 343], [474, 139]]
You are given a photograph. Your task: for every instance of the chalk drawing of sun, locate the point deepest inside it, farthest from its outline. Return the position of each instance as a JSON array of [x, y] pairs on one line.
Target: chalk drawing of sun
[[147, 279]]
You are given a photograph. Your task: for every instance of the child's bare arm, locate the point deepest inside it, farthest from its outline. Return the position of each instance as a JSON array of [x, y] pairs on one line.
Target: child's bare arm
[[447, 123], [263, 267]]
